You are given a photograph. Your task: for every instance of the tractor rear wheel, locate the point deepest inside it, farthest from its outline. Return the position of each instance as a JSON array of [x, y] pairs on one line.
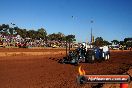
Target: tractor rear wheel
[[76, 63]]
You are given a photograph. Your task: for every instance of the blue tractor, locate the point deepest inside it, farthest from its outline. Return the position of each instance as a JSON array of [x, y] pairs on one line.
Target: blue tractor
[[90, 55], [97, 54]]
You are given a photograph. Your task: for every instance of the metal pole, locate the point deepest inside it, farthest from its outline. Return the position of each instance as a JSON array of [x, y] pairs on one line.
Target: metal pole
[[69, 44], [91, 36], [66, 47]]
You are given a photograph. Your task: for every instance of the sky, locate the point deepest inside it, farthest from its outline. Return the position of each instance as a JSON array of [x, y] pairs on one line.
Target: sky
[[112, 19]]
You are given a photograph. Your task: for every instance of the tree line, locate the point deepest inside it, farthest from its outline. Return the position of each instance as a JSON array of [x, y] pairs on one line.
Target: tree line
[[99, 41], [41, 33]]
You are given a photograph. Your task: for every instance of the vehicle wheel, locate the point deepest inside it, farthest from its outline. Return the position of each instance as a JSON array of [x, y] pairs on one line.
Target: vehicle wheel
[[77, 63], [93, 58], [108, 56], [60, 61], [86, 60]]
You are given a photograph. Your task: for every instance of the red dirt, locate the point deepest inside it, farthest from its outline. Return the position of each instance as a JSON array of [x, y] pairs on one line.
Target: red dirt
[[45, 72]]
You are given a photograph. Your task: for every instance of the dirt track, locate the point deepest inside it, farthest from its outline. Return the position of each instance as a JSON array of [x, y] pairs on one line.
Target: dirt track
[[23, 71]]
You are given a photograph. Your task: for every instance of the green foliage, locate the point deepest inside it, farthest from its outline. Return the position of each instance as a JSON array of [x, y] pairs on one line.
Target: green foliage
[[70, 38], [128, 42], [61, 37], [122, 43], [98, 41], [106, 42], [5, 29], [21, 32], [41, 33], [115, 41]]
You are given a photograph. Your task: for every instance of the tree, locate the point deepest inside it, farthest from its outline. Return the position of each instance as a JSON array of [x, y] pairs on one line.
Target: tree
[[106, 42], [52, 37], [122, 43], [71, 38], [115, 42], [99, 41], [32, 34], [56, 36], [11, 31], [1, 28], [15, 30], [60, 36], [41, 33], [128, 42], [4, 29], [22, 32]]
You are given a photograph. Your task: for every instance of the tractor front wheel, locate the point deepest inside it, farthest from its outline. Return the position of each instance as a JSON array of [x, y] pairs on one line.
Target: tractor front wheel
[[92, 59], [108, 56]]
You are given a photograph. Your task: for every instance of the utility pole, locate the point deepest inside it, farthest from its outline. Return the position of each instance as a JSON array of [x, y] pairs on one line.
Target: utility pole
[[91, 31], [91, 35], [66, 47]]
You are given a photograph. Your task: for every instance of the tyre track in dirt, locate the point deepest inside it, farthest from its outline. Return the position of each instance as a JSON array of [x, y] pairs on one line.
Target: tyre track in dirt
[[45, 71]]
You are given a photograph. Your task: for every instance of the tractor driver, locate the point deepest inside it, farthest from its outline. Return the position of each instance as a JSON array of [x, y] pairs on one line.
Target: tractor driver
[[83, 52]]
